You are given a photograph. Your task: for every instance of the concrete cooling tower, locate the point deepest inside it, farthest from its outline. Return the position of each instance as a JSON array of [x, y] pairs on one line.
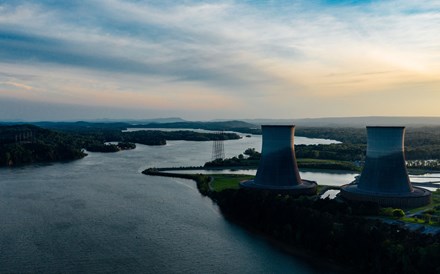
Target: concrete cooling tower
[[384, 178], [278, 170]]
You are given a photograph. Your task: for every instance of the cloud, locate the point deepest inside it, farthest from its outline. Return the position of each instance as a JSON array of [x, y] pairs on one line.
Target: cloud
[[224, 53], [17, 85]]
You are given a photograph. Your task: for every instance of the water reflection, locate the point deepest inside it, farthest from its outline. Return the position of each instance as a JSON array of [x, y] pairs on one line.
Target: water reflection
[[100, 214], [323, 177]]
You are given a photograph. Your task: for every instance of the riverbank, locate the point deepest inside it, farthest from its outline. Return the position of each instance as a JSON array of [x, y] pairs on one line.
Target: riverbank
[[332, 229], [28, 144], [206, 188], [250, 163]]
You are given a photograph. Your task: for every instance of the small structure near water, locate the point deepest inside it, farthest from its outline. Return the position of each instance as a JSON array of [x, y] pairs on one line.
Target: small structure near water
[[384, 179], [278, 170]]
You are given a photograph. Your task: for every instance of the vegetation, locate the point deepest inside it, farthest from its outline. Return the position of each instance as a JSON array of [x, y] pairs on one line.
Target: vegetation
[[113, 132], [228, 181], [237, 126], [421, 143], [96, 147], [24, 144], [331, 229], [201, 180], [156, 137], [253, 158], [392, 212], [327, 164], [427, 215], [28, 144]]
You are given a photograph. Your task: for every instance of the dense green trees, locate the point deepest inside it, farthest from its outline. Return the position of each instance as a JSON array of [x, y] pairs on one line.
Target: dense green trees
[[23, 144], [332, 229], [421, 143], [44, 146]]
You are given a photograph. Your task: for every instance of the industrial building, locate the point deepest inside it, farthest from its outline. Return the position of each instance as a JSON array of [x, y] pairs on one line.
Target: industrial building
[[278, 170], [384, 178]]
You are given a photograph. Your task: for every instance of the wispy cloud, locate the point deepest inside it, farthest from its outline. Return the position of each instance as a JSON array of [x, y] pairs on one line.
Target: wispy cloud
[[17, 85], [227, 54]]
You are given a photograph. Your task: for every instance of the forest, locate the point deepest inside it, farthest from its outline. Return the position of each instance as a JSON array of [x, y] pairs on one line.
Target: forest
[[334, 230], [421, 143], [422, 149], [348, 234], [25, 144]]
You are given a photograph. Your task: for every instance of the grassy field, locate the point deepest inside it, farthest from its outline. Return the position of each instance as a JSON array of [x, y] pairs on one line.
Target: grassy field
[[429, 215], [224, 181], [435, 203]]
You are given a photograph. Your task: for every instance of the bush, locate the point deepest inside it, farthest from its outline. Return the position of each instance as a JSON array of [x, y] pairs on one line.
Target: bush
[[398, 213]]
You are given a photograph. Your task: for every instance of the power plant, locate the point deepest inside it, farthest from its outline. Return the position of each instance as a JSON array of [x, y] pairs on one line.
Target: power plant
[[384, 178], [278, 170]]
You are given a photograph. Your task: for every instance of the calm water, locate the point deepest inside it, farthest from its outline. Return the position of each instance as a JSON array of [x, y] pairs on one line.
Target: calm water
[[99, 214]]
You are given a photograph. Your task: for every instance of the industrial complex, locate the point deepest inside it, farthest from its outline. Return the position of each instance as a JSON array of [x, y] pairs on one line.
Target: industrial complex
[[384, 178], [278, 170]]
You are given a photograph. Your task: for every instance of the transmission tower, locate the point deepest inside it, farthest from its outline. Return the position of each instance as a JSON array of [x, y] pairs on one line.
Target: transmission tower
[[218, 148], [24, 136]]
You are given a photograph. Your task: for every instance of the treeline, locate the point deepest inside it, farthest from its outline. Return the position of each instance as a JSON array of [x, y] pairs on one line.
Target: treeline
[[96, 147], [357, 152], [153, 137], [414, 136], [43, 146], [331, 229], [24, 144], [237, 126], [421, 143], [114, 132], [347, 156], [156, 137], [339, 152], [335, 157]]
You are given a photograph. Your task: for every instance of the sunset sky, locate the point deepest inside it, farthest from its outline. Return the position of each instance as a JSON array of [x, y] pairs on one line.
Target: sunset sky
[[67, 60]]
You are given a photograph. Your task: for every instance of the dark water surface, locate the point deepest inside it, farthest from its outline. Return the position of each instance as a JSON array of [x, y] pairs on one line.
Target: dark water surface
[[100, 214]]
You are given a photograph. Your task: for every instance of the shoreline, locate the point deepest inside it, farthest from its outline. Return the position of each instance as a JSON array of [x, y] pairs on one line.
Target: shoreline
[[309, 257]]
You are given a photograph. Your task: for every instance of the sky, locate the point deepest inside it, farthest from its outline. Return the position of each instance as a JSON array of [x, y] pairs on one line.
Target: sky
[[201, 60]]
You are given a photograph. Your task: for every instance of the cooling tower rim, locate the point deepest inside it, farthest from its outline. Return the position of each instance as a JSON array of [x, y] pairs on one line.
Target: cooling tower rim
[[305, 184], [396, 127], [353, 189]]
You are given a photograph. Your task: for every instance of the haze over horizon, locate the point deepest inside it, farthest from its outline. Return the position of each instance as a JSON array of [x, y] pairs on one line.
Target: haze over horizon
[[203, 60]]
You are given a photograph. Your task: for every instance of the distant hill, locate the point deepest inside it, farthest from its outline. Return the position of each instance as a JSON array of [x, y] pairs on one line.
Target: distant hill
[[234, 125], [140, 121], [353, 121], [82, 126], [244, 126]]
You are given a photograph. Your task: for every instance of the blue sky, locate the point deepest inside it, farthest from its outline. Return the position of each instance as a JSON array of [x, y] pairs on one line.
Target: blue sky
[[218, 59]]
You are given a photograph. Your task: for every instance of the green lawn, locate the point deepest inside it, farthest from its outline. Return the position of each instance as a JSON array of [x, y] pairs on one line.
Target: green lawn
[[225, 181], [435, 202], [231, 181], [429, 214]]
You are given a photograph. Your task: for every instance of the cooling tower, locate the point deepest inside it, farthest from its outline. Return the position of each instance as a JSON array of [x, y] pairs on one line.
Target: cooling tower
[[277, 169], [384, 178]]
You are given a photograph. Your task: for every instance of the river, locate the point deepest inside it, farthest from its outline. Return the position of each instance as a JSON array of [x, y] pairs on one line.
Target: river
[[100, 214]]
